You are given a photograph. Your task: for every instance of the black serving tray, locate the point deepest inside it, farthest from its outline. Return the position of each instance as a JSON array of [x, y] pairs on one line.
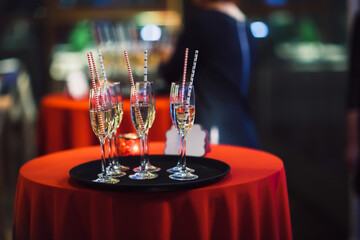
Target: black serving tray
[[209, 171]]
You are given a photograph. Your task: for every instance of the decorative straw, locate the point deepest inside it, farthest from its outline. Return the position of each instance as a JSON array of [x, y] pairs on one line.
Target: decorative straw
[[184, 74], [91, 60], [102, 66], [91, 71], [145, 67], [95, 69], [192, 76], [137, 110], [97, 77]]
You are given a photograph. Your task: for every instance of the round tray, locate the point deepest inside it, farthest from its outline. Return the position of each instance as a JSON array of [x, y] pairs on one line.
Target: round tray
[[209, 171]]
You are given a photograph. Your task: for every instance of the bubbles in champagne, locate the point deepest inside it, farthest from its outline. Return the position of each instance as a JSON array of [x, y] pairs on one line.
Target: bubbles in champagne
[[105, 116], [185, 116], [147, 112]]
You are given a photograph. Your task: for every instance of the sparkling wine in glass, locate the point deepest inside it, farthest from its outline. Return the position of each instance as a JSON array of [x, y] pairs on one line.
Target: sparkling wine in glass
[[115, 169], [148, 165], [174, 100], [101, 118], [142, 101], [184, 116]]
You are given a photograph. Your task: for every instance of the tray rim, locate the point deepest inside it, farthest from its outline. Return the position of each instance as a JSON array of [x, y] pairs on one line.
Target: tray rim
[[142, 186]]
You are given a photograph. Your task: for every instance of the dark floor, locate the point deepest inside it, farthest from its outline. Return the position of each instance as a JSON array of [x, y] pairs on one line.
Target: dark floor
[[300, 118]]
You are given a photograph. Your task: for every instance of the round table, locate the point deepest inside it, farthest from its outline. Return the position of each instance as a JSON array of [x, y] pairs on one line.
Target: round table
[[64, 123], [251, 202]]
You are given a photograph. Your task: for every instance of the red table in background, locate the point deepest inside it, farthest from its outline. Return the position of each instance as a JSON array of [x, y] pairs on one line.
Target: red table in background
[[251, 202], [64, 123]]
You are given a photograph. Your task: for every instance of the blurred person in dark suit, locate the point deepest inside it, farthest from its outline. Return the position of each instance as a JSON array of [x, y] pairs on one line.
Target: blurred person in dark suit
[[352, 122], [221, 33], [353, 101]]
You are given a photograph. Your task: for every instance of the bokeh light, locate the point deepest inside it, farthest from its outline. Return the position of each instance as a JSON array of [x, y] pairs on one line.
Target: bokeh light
[[150, 33], [259, 29]]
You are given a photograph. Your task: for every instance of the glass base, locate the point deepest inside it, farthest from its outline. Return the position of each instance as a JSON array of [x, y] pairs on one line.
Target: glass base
[[178, 169], [183, 176], [143, 175], [108, 180], [113, 172], [149, 168], [121, 167]]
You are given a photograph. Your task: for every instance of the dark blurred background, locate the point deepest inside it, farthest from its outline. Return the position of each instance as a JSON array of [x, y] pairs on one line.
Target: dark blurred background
[[298, 93]]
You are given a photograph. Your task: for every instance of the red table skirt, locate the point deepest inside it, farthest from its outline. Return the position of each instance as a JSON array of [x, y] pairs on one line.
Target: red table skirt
[[251, 202], [64, 123]]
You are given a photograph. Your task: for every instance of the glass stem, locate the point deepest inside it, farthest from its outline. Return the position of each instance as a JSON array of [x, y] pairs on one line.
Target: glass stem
[[183, 152], [103, 158], [179, 149], [111, 153], [142, 152], [146, 147], [114, 149]]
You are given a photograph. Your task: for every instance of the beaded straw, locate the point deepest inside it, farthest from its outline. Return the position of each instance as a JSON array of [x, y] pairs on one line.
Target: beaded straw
[[184, 74], [90, 60], [97, 77], [145, 67], [192, 76], [102, 66], [137, 110]]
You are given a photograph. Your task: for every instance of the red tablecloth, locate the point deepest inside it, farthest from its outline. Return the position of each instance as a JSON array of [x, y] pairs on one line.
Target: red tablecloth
[[249, 203], [64, 123]]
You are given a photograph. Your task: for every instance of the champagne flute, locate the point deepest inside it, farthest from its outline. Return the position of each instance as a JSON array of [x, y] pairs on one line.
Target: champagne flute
[[184, 116], [142, 116], [174, 100], [115, 169], [119, 98], [148, 165], [100, 118]]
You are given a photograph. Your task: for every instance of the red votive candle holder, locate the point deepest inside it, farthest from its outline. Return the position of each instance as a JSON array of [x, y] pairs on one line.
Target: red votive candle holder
[[128, 144]]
